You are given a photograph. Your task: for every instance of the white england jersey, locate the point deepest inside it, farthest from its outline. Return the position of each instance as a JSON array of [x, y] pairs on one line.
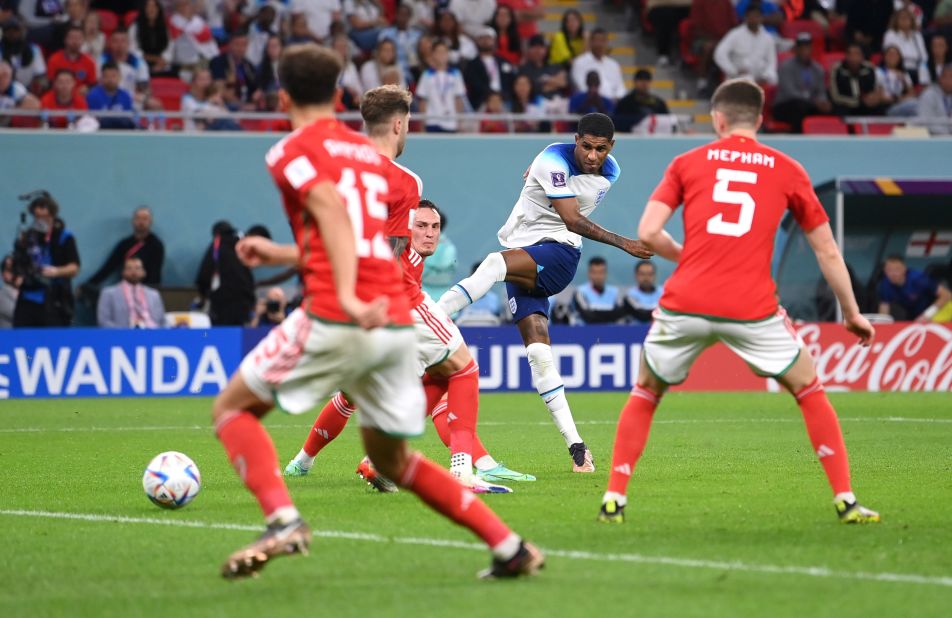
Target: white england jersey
[[555, 174]]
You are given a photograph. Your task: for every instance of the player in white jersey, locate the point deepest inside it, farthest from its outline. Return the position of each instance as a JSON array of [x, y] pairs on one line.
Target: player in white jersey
[[543, 237]]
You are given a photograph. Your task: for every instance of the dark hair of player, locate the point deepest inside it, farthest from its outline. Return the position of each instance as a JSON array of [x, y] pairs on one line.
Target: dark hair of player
[[380, 105], [596, 125], [740, 100], [425, 203], [309, 74], [597, 261]]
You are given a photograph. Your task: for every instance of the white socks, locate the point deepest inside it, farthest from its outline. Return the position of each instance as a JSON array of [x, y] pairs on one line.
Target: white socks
[[618, 498], [461, 465], [848, 496], [549, 384], [304, 460], [507, 549], [486, 462], [283, 516], [474, 287]]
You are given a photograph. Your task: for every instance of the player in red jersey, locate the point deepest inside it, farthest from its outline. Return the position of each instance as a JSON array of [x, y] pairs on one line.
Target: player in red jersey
[[735, 193], [352, 330], [442, 354]]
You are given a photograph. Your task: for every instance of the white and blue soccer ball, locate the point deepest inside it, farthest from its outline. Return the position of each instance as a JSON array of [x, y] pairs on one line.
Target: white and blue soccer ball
[[171, 480]]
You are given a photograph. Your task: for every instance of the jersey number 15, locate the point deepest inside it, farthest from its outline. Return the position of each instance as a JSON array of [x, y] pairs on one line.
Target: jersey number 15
[[724, 195], [373, 186]]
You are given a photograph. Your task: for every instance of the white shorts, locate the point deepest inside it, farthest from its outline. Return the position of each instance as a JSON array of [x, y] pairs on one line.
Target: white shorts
[[437, 336], [674, 341], [303, 361]]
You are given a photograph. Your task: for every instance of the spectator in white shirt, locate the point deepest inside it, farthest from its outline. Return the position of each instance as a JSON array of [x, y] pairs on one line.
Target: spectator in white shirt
[[404, 37], [440, 92], [447, 29], [372, 71], [935, 102], [320, 14], [597, 59], [748, 50], [13, 94], [262, 28], [904, 35], [192, 40], [349, 78], [25, 57], [473, 15], [365, 18]]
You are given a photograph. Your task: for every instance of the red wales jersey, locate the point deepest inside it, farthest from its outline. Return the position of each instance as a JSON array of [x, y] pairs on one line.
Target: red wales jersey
[[326, 150], [412, 264], [406, 188], [735, 193]]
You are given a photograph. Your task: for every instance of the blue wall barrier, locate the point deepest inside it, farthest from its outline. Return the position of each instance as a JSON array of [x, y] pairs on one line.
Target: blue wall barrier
[[192, 181], [84, 362]]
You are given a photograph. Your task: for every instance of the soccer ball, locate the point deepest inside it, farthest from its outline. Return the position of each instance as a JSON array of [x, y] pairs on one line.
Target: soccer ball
[[171, 480]]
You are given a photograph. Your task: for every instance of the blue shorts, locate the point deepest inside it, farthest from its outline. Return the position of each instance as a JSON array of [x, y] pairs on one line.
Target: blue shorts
[[556, 265]]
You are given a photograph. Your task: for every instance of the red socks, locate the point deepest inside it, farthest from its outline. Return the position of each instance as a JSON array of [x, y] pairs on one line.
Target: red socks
[[631, 436], [438, 416], [824, 430], [445, 495], [329, 424], [463, 410], [252, 454]]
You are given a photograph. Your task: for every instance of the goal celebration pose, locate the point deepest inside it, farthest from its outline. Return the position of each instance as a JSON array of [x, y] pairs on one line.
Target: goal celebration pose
[[543, 237], [735, 193], [353, 330]]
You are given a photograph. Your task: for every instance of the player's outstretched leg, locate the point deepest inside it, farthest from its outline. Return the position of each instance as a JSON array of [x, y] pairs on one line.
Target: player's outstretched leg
[[630, 439], [823, 427], [512, 556], [236, 414], [329, 424], [472, 288]]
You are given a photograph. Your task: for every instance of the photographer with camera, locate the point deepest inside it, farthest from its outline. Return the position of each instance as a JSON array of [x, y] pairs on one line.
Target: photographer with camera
[[272, 309], [45, 256]]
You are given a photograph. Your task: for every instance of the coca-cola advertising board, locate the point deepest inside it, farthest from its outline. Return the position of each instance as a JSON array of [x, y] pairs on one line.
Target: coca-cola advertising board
[[903, 357]]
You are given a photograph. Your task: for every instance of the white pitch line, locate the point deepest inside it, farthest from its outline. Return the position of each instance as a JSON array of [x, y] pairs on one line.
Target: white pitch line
[[669, 561], [695, 421]]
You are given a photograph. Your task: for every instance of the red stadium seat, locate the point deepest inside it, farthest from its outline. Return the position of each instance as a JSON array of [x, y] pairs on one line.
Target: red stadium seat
[[790, 30], [875, 129], [169, 90], [830, 59], [108, 21], [129, 18], [771, 125], [688, 57], [824, 125]]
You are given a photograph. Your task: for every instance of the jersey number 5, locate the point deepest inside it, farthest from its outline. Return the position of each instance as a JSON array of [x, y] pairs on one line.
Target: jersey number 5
[[724, 195], [373, 186]]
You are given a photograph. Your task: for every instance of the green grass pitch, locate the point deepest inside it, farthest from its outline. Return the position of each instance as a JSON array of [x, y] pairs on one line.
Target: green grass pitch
[[729, 515]]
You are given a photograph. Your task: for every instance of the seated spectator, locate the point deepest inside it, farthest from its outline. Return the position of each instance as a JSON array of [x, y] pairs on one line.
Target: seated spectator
[[264, 26], [130, 303], [897, 90], [473, 15], [192, 40], [545, 80], [447, 29], [748, 50], [224, 281], [528, 14], [385, 57], [267, 75], [853, 85], [801, 91], [149, 37], [424, 56], [867, 21], [597, 59], [94, 39], [40, 19], [349, 78], [642, 299], [711, 20], [108, 96], [9, 292], [205, 105], [638, 104], [299, 32], [405, 38], [570, 41], [318, 15], [939, 56], [13, 94], [424, 12], [590, 100], [665, 17], [942, 17], [905, 36], [489, 72], [271, 309], [63, 96], [440, 93], [908, 294], [365, 20], [525, 101], [494, 104], [935, 102], [486, 310], [142, 244], [72, 59], [508, 41], [914, 9], [133, 68], [75, 12], [235, 76], [29, 66], [595, 302]]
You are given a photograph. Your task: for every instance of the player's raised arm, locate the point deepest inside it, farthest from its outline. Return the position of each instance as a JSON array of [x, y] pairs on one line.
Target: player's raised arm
[[254, 251], [651, 231], [834, 271], [327, 208], [576, 222]]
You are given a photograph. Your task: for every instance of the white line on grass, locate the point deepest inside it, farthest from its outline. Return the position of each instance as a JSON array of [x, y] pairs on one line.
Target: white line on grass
[[689, 421], [688, 563]]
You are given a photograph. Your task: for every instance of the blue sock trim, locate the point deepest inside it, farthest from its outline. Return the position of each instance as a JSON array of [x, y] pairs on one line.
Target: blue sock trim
[[463, 290], [552, 391]]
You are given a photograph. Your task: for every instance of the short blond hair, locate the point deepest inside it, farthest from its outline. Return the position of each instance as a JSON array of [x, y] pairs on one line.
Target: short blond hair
[[379, 105]]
